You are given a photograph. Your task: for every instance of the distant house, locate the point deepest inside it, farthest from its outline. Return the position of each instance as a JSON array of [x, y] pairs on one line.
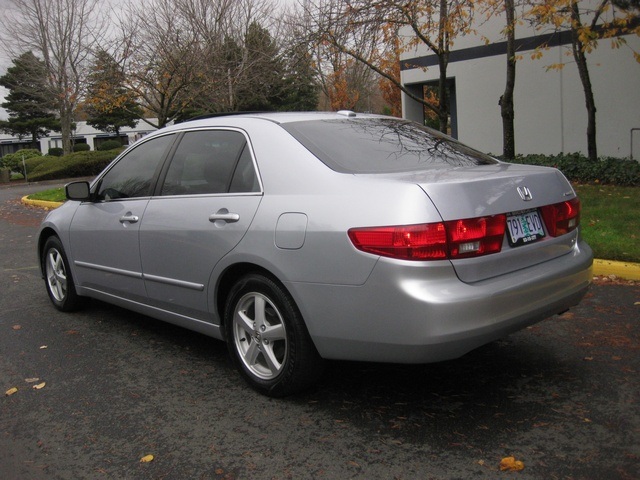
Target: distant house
[[550, 112], [82, 134]]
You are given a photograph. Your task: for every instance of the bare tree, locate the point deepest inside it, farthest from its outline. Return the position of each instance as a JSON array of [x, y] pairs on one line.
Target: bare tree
[[160, 57], [346, 24], [189, 56], [506, 8], [346, 82], [62, 33]]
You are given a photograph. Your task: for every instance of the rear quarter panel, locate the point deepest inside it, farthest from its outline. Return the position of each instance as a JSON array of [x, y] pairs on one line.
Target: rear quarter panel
[[295, 181]]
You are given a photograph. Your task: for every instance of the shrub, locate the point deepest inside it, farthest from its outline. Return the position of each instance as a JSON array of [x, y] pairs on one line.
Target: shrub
[[56, 152], [578, 168], [81, 147], [79, 164], [109, 145], [33, 163], [13, 161]]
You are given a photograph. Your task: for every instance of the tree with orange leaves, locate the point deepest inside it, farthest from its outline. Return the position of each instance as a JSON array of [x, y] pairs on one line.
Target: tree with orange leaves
[[589, 22]]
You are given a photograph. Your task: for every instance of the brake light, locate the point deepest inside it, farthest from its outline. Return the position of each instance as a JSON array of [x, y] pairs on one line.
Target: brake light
[[433, 241], [410, 242], [561, 218]]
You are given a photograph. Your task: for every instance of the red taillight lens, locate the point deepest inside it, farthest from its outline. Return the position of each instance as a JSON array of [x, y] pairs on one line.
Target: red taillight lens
[[410, 242], [561, 218], [433, 241]]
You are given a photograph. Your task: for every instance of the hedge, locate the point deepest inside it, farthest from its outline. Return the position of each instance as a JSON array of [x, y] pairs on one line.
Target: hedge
[[578, 168], [81, 147], [56, 152], [79, 164], [110, 145], [13, 161]]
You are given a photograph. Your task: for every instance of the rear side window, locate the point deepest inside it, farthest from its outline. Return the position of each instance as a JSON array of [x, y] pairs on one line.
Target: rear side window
[[382, 145], [205, 162]]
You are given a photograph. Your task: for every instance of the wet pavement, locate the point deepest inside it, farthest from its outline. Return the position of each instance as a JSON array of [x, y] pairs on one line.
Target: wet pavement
[[561, 396]]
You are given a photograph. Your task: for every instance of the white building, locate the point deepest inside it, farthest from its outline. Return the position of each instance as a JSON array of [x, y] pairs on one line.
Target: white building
[[550, 111], [82, 134]]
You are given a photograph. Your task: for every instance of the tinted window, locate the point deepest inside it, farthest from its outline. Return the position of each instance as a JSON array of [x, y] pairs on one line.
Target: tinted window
[[204, 162], [132, 176], [379, 145], [245, 178]]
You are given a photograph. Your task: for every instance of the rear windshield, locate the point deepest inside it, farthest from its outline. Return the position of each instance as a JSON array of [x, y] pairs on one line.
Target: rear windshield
[[382, 145]]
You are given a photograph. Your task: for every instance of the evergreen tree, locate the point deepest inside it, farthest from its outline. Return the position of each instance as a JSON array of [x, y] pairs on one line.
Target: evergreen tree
[[264, 71], [110, 105], [29, 103], [299, 88]]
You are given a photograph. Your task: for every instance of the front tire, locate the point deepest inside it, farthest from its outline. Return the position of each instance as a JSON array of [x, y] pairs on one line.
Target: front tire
[[267, 338], [57, 277]]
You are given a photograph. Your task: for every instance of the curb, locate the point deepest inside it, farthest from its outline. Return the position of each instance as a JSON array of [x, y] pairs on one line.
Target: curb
[[625, 270], [40, 203]]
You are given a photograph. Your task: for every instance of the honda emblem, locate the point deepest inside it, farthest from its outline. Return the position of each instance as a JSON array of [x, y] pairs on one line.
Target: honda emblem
[[525, 194]]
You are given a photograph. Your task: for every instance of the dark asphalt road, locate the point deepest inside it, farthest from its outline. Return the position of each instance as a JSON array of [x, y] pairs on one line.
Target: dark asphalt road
[[563, 397]]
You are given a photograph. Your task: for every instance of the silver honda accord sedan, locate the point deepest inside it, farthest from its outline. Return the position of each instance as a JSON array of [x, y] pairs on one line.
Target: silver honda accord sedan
[[300, 237]]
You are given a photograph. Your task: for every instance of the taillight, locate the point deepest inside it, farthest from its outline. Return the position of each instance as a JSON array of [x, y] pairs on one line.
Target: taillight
[[476, 236], [433, 241], [410, 242], [561, 218]]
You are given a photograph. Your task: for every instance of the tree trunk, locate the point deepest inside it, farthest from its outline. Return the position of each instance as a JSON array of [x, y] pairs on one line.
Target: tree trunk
[[443, 97], [583, 70], [443, 61], [34, 139], [506, 100], [66, 119]]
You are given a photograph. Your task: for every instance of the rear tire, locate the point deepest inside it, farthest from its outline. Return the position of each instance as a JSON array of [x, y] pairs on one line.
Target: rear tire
[[267, 338], [57, 277]]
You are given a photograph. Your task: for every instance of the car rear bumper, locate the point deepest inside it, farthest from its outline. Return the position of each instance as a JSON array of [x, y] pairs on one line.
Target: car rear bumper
[[419, 313]]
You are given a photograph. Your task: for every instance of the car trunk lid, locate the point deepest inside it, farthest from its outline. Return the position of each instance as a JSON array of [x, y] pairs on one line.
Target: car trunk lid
[[487, 190]]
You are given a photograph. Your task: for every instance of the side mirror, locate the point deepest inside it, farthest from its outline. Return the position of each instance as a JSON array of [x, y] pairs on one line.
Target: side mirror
[[78, 191]]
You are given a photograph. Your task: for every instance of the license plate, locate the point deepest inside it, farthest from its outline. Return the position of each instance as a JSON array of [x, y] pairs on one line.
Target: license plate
[[524, 227]]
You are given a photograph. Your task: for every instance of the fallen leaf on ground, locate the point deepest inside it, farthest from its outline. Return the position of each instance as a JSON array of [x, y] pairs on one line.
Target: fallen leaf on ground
[[17, 327], [511, 464], [39, 386], [43, 347], [11, 391], [31, 380], [146, 459]]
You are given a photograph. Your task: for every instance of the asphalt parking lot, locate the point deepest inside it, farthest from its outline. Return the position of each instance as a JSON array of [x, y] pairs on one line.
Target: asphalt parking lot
[[561, 397]]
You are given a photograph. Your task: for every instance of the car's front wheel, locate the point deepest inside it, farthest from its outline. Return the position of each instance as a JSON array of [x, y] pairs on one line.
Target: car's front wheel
[[57, 276], [267, 338]]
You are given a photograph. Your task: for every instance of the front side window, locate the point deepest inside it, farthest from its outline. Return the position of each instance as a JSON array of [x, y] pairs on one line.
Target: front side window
[[133, 175], [210, 162]]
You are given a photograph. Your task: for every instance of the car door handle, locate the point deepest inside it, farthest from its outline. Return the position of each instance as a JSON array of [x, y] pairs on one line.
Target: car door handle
[[129, 218], [225, 217]]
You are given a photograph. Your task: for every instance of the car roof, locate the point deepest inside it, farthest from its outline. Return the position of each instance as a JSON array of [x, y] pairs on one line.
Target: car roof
[[286, 117], [275, 117]]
